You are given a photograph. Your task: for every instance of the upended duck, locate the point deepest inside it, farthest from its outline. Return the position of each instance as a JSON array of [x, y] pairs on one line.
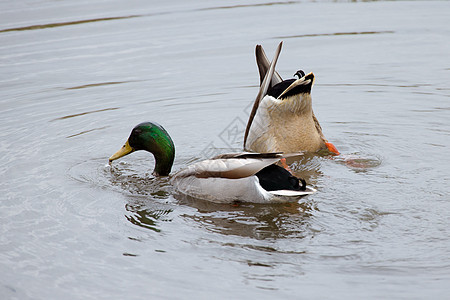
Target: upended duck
[[282, 118], [226, 178]]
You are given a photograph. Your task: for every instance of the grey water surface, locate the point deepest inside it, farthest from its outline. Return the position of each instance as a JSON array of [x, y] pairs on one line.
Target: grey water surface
[[77, 76]]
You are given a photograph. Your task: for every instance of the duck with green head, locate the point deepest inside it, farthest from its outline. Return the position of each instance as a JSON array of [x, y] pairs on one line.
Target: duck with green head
[[153, 138], [226, 178]]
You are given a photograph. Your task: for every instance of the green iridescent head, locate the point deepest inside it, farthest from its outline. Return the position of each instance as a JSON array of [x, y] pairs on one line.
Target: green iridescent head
[[153, 138]]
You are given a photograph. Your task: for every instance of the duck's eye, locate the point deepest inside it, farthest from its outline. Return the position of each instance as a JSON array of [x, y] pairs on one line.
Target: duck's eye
[[299, 73]]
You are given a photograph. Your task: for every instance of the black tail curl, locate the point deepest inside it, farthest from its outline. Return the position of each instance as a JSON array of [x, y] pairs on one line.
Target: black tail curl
[[274, 178]]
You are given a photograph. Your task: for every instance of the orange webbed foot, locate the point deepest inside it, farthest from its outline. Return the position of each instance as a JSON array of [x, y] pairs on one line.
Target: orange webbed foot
[[332, 148], [285, 165]]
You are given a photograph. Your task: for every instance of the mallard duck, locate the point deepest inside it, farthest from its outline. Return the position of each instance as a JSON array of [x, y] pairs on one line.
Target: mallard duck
[[282, 118], [227, 178]]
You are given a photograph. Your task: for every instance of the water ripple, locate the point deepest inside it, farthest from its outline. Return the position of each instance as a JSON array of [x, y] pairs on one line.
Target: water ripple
[[84, 113], [334, 34], [52, 25], [96, 85], [250, 5], [86, 131]]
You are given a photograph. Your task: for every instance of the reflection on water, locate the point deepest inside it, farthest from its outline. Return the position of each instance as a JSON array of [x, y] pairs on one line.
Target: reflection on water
[[358, 162], [252, 220], [307, 166], [147, 214], [288, 220]]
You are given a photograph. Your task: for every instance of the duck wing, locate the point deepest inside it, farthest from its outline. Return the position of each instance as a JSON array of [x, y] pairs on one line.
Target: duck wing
[[231, 166], [319, 128], [250, 155], [263, 90]]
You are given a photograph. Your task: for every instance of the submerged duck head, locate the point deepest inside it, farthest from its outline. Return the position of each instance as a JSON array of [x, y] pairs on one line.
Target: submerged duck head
[[282, 118], [153, 138]]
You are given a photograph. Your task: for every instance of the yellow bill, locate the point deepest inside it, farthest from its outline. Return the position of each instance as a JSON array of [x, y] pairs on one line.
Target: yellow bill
[[125, 150]]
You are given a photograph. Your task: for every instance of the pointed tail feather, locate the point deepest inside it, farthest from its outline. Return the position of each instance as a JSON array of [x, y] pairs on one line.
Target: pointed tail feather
[[262, 90]]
